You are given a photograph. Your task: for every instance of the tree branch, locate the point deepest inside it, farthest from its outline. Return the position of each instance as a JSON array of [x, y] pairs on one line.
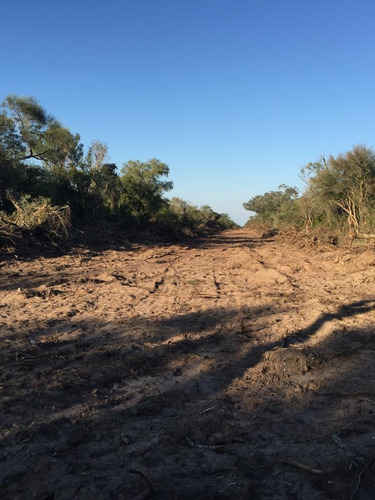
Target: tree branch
[[36, 156]]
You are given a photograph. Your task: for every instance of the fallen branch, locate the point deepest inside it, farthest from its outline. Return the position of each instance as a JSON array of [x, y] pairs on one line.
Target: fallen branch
[[364, 236], [208, 409], [193, 444], [360, 236]]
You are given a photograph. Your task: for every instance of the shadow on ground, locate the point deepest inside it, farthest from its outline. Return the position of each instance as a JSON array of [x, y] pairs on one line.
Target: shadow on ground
[[192, 406]]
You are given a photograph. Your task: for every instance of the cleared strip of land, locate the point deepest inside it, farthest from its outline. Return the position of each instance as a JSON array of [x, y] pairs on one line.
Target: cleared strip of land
[[239, 367]]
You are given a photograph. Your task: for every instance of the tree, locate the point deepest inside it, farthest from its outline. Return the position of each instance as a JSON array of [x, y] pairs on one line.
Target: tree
[[193, 220], [14, 174], [345, 187], [37, 135], [43, 163], [37, 144], [29, 122], [10, 142], [143, 187], [32, 134], [96, 183], [274, 207]]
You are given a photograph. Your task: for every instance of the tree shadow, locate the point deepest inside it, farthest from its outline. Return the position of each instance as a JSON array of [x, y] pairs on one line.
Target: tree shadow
[[149, 407], [234, 241], [128, 241]]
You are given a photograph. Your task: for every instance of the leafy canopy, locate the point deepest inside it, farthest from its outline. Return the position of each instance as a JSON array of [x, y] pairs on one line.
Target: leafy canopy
[[144, 185], [274, 207]]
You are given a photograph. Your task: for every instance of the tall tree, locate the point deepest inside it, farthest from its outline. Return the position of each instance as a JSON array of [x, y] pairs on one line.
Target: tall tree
[[102, 187], [144, 185], [345, 186], [35, 135], [14, 175], [40, 146]]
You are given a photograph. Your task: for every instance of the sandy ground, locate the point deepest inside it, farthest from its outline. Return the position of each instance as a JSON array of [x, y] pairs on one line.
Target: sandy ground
[[238, 367]]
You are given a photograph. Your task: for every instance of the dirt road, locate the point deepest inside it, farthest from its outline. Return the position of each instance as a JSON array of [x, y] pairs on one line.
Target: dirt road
[[237, 367]]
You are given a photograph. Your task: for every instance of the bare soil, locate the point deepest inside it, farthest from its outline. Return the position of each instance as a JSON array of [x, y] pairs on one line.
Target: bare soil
[[236, 367]]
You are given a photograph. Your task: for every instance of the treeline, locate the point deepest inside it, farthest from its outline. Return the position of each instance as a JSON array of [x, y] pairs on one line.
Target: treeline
[[339, 196], [49, 183]]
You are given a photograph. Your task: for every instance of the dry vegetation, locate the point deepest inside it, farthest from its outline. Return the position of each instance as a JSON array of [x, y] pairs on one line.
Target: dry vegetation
[[236, 367], [33, 221]]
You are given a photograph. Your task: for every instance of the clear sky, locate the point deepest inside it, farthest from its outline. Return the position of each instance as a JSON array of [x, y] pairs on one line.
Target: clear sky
[[234, 95]]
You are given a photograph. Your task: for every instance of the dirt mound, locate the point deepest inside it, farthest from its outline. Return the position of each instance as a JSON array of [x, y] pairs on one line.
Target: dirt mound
[[239, 367], [292, 361]]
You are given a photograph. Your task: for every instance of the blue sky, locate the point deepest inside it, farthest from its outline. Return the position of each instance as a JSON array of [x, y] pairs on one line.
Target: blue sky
[[234, 95]]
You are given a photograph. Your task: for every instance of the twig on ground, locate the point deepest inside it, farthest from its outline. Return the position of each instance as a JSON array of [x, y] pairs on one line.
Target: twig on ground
[[303, 467], [192, 444], [208, 409], [174, 269]]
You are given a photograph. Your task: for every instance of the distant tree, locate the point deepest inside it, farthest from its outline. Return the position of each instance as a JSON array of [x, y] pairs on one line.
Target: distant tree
[[110, 183], [225, 222], [93, 186], [182, 209], [274, 207], [193, 220], [143, 188]]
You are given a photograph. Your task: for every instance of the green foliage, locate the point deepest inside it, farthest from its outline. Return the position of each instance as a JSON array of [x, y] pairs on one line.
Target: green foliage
[[10, 142], [344, 187], [14, 174], [30, 122], [97, 184], [275, 208], [36, 147], [340, 193], [181, 216], [43, 168], [143, 188]]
